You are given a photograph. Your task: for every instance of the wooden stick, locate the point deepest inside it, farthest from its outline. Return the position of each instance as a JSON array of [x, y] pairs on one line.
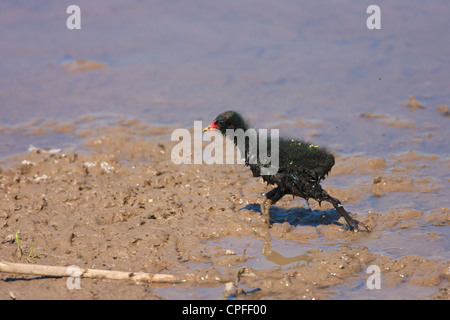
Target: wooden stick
[[54, 271]]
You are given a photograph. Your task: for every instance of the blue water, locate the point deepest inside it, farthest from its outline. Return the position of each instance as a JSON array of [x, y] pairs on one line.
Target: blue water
[[173, 62]]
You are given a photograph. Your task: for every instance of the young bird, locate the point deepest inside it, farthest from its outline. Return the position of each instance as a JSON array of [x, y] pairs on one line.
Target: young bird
[[302, 166]]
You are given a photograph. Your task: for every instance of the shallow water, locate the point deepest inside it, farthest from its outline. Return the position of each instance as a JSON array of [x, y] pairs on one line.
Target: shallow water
[[377, 98], [173, 62]]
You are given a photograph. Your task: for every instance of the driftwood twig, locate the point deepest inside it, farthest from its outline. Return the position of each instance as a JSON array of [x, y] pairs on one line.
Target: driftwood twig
[[55, 271]]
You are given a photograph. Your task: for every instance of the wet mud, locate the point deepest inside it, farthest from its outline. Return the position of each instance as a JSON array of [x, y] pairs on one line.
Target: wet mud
[[118, 202], [87, 179]]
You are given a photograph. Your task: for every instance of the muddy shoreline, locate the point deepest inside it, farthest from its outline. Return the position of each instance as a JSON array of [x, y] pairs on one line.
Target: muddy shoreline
[[121, 204], [86, 176]]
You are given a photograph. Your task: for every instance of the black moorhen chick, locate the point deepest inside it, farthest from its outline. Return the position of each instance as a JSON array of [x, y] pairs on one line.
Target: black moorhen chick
[[301, 168]]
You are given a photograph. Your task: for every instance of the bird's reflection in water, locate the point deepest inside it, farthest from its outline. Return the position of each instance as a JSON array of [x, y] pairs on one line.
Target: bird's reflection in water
[[295, 217], [279, 259]]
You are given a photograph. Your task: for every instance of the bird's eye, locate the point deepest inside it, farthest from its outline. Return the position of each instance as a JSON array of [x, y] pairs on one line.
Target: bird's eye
[[221, 122]]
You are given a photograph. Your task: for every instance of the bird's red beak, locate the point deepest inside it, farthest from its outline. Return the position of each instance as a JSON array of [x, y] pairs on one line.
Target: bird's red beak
[[211, 126]]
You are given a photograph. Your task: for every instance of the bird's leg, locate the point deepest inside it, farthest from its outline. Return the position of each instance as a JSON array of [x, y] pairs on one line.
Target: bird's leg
[[352, 223], [265, 210], [272, 197]]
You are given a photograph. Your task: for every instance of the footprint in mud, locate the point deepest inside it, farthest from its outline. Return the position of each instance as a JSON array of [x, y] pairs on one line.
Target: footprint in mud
[[299, 216]]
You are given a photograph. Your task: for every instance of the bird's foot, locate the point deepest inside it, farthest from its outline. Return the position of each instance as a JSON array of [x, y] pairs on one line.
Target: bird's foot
[[354, 224]]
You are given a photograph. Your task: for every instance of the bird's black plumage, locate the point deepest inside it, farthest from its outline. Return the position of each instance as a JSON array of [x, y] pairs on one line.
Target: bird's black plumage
[[301, 167]]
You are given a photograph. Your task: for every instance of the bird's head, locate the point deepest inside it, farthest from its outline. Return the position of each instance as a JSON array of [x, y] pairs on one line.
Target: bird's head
[[227, 120]]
